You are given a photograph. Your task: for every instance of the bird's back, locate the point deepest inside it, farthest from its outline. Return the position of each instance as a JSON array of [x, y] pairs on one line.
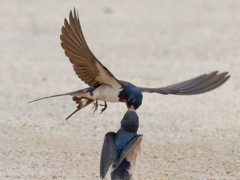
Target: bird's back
[[123, 171], [122, 138]]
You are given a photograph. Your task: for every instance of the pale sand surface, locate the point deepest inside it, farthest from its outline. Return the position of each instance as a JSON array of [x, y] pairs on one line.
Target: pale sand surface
[[150, 43]]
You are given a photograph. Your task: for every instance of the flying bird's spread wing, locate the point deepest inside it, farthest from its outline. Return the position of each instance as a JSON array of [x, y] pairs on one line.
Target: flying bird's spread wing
[[85, 64], [200, 84], [109, 153], [135, 142]]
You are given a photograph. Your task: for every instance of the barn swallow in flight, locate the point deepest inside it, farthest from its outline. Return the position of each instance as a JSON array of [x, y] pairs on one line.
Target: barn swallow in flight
[[122, 148], [105, 87]]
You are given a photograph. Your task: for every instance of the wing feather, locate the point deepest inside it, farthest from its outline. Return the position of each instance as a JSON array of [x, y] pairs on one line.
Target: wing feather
[[85, 64], [127, 149], [200, 84], [109, 153]]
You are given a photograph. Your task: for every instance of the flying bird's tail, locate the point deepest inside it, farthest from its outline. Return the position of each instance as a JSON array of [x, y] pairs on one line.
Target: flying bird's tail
[[80, 97], [70, 93], [82, 103]]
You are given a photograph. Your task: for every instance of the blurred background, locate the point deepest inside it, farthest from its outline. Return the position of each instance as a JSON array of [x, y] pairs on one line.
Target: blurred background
[[149, 43]]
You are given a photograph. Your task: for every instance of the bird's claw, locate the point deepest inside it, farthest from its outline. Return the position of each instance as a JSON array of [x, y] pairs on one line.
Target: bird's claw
[[104, 108], [95, 106]]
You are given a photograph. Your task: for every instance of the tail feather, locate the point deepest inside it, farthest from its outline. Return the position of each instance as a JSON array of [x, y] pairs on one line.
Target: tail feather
[[73, 113], [47, 97], [82, 102], [70, 93]]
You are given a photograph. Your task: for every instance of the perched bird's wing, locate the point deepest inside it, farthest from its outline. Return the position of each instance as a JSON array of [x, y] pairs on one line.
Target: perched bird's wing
[[127, 150], [85, 64], [109, 153], [200, 84]]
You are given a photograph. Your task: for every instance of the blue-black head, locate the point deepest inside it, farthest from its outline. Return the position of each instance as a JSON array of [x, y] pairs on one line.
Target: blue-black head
[[134, 100], [131, 95], [130, 121]]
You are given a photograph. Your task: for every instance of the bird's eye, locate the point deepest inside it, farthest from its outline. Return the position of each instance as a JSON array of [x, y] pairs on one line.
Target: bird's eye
[[129, 99]]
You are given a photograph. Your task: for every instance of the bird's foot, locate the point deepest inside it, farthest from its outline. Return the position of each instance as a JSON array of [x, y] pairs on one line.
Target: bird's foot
[[95, 106], [104, 108]]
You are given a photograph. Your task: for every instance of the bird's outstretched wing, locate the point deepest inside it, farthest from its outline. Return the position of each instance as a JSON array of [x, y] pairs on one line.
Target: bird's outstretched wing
[[85, 64], [109, 153], [127, 149], [200, 84]]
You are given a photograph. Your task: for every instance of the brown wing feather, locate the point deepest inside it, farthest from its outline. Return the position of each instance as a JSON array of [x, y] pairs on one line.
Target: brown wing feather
[[127, 149], [85, 64], [200, 84]]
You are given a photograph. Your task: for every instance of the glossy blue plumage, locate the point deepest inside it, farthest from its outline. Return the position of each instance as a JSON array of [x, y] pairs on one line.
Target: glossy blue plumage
[[121, 149], [131, 94], [122, 138]]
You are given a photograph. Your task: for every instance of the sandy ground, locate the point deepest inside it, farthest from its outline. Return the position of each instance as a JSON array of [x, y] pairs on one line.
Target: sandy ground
[[150, 43]]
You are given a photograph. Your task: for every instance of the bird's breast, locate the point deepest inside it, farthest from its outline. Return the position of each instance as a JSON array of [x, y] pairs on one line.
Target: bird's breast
[[106, 93]]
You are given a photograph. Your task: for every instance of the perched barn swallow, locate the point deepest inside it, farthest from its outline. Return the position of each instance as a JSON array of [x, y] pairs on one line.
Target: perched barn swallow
[[122, 148], [105, 87]]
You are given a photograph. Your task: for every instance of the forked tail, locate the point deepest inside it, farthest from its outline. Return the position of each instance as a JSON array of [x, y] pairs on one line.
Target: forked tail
[[70, 93]]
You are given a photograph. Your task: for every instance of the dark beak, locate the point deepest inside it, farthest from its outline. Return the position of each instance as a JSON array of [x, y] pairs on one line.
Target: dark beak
[[132, 107]]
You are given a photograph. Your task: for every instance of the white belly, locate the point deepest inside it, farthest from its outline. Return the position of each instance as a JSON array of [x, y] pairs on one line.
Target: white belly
[[106, 93]]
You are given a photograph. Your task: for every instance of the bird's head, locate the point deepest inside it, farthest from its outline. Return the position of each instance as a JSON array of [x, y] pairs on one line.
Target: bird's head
[[130, 121], [134, 100]]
